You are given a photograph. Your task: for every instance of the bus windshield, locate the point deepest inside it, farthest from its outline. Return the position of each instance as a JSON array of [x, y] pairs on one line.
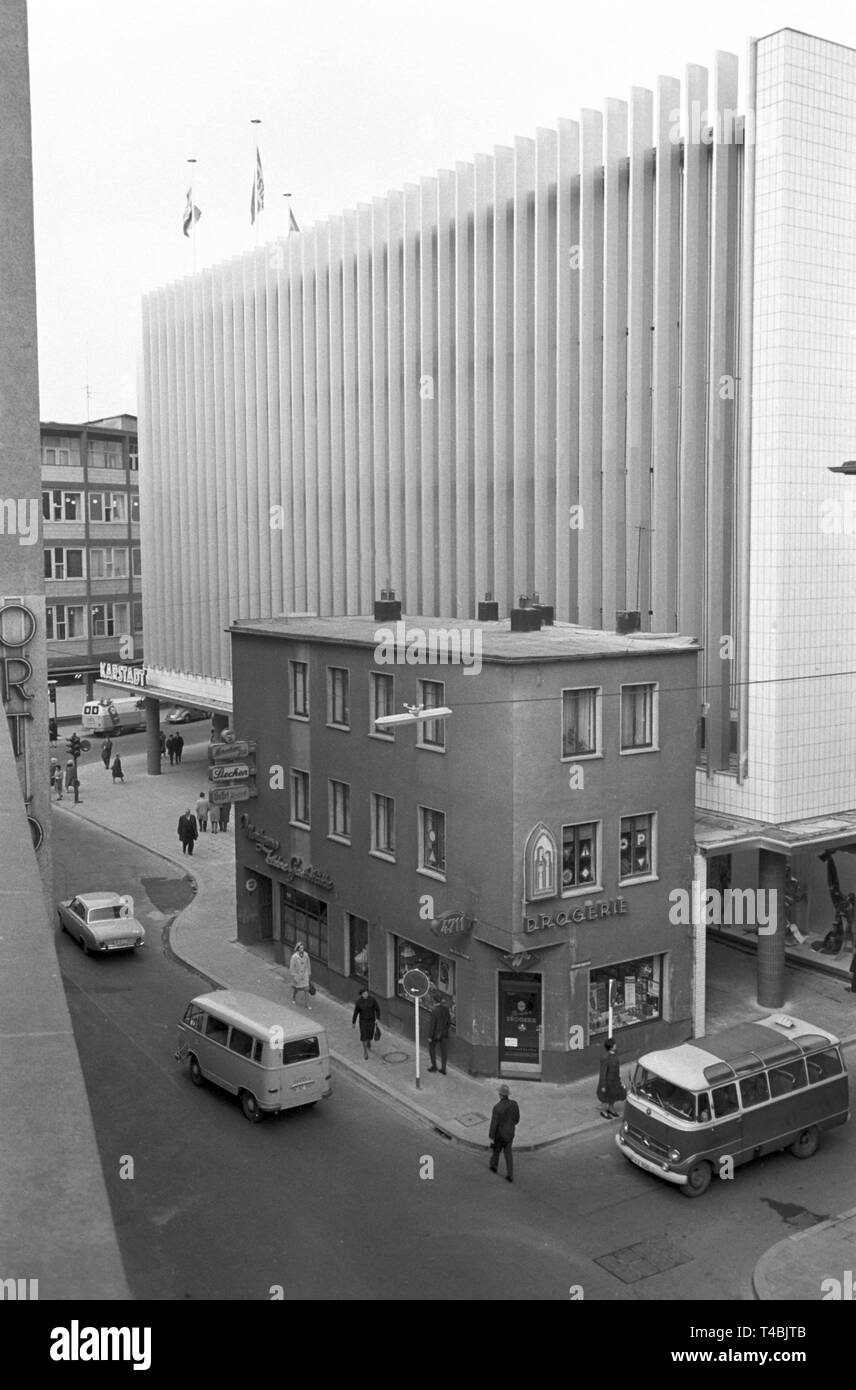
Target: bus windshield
[[671, 1097]]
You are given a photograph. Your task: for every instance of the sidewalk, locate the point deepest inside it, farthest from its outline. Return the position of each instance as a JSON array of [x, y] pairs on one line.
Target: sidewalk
[[145, 810]]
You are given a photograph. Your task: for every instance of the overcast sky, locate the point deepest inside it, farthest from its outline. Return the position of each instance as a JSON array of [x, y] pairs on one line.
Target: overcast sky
[[355, 97]]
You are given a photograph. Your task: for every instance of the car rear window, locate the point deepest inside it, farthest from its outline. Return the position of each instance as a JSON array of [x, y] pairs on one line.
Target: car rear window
[[301, 1050]]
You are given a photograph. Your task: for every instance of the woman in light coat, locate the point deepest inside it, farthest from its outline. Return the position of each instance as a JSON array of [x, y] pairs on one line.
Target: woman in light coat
[[300, 968]]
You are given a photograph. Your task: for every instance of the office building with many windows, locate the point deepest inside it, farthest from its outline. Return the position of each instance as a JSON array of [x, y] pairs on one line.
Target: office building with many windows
[[520, 851], [91, 530]]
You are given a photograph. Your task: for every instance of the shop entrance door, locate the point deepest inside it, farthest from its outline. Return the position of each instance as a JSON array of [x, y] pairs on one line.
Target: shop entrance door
[[519, 1025], [265, 907]]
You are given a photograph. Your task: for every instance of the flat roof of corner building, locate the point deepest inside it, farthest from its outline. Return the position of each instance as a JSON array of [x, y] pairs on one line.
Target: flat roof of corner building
[[557, 642]]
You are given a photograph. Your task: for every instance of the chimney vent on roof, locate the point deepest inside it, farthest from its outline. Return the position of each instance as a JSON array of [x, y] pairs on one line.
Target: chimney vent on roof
[[387, 608], [627, 621], [488, 610]]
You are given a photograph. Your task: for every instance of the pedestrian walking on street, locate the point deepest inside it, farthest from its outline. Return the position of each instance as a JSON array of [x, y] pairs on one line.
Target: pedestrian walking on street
[[225, 812], [56, 778], [203, 806], [69, 774], [170, 748], [215, 817], [504, 1119], [609, 1087], [300, 968], [118, 774], [367, 1010], [438, 1033], [162, 737], [179, 744], [106, 750], [187, 831]]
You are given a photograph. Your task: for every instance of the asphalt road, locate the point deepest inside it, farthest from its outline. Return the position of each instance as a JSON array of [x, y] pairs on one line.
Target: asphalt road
[[330, 1203]]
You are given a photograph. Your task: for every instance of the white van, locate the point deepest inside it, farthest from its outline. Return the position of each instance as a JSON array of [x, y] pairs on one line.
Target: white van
[[268, 1055], [113, 716]]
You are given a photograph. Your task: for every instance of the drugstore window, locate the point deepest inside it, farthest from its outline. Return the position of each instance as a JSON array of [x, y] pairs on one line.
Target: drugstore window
[[440, 971], [636, 994]]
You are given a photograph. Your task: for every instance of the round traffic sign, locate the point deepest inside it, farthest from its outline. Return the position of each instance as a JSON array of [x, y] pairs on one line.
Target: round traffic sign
[[415, 983], [85, 745]]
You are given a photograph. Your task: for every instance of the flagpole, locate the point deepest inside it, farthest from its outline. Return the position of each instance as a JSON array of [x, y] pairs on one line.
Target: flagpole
[[256, 121], [191, 162]]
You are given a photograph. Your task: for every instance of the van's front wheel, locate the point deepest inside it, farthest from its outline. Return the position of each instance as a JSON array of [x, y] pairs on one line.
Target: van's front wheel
[[698, 1180], [250, 1107], [196, 1072], [806, 1143]]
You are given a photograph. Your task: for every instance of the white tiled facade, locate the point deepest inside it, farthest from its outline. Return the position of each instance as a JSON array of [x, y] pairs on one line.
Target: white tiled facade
[[802, 557]]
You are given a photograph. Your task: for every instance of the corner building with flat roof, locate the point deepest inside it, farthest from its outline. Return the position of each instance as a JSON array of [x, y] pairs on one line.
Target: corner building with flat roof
[[520, 851]]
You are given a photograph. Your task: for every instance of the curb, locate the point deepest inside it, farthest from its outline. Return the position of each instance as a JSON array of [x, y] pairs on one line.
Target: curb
[[759, 1276]]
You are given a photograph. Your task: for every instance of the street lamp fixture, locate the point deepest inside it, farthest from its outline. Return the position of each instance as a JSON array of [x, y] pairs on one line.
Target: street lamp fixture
[[416, 714], [848, 467]]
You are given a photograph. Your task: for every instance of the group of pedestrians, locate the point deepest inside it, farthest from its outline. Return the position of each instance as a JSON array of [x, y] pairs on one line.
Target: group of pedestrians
[[171, 747], [115, 767], [191, 823]]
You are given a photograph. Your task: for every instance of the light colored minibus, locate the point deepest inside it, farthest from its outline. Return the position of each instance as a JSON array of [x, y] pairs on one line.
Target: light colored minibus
[[268, 1055], [113, 716], [736, 1095]]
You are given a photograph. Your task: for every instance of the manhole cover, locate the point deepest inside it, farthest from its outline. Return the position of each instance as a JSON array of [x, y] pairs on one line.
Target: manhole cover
[[471, 1118], [395, 1057], [635, 1262]]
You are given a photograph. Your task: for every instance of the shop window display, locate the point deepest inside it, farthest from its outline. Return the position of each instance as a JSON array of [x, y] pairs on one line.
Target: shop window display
[[636, 994], [440, 971]]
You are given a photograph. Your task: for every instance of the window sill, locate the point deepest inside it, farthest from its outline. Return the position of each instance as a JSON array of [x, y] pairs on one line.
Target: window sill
[[581, 757], [634, 752], [300, 825], [430, 748], [642, 878], [343, 728], [587, 889], [432, 873], [299, 718], [381, 854], [384, 738], [340, 839]]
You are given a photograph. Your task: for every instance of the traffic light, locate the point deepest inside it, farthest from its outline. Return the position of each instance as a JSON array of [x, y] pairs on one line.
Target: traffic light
[[74, 745]]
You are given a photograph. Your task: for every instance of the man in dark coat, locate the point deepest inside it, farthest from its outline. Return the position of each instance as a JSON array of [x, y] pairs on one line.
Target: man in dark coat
[[504, 1119], [170, 748], [178, 744], [438, 1033], [106, 751], [367, 1010], [609, 1087], [187, 831]]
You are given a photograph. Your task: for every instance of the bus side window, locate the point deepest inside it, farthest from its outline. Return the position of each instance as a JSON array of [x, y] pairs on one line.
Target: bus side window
[[754, 1090], [787, 1078], [257, 1050], [725, 1101], [193, 1017], [216, 1029], [823, 1064], [240, 1042]]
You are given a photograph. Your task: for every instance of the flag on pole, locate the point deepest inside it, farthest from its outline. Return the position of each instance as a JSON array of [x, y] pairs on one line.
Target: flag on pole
[[257, 199], [191, 213], [292, 221]]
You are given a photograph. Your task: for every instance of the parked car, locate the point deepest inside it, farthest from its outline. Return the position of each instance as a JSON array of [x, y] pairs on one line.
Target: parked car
[[102, 922], [187, 716]]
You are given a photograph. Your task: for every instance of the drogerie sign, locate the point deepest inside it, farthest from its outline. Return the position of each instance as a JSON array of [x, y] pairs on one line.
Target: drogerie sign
[[125, 675]]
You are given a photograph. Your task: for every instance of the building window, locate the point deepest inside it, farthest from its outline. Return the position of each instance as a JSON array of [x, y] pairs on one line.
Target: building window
[[579, 856], [383, 825], [137, 609], [64, 621], [431, 733], [108, 506], [109, 619], [303, 918], [299, 689], [636, 994], [441, 973], [299, 782], [338, 701], [61, 563], [105, 453], [61, 453], [340, 811], [58, 505], [636, 847], [108, 562], [579, 723], [136, 561], [432, 841], [133, 456], [358, 946], [135, 506], [381, 701], [638, 717]]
